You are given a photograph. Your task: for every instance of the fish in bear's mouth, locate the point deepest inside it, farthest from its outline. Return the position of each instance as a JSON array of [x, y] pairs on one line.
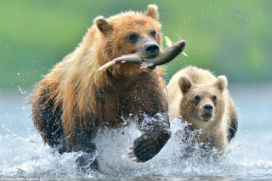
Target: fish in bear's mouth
[[163, 57]]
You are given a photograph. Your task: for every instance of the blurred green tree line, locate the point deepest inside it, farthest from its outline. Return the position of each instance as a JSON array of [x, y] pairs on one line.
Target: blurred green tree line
[[227, 37]]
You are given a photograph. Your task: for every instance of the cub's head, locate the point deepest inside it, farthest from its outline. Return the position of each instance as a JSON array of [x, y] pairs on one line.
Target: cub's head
[[131, 32], [202, 103]]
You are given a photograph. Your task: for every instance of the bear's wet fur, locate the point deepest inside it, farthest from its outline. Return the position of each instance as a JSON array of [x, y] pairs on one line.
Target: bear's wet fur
[[74, 100], [195, 95]]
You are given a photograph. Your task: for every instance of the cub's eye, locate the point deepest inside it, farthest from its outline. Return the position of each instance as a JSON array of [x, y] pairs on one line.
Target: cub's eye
[[153, 33], [133, 37], [214, 98], [197, 98]]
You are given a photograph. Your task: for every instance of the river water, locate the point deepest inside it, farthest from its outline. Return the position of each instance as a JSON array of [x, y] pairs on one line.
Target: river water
[[23, 156]]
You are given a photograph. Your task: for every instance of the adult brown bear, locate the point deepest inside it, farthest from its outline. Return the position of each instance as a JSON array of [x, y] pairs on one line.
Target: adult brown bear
[[74, 100]]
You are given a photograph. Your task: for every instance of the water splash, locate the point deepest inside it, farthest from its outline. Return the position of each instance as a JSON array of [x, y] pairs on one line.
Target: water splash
[[174, 159], [26, 157]]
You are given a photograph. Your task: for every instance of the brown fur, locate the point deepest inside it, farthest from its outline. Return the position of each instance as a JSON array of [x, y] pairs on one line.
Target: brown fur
[[83, 100], [183, 88]]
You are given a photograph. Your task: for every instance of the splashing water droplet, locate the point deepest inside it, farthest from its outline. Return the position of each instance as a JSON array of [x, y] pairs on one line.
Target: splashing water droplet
[[20, 90]]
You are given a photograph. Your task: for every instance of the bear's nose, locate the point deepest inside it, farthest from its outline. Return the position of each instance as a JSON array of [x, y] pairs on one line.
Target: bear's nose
[[152, 49], [208, 108]]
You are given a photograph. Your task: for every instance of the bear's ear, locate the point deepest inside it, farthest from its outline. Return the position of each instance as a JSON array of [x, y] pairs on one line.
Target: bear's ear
[[152, 11], [185, 84], [221, 83], [103, 25]]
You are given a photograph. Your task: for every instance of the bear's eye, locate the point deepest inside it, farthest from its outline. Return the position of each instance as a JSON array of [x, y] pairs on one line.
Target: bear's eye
[[153, 33], [214, 98], [197, 98], [133, 37]]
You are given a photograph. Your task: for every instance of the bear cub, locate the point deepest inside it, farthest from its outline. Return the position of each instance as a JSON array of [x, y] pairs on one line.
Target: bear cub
[[195, 95]]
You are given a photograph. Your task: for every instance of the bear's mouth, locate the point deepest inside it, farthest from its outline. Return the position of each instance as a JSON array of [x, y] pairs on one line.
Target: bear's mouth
[[207, 116], [164, 57]]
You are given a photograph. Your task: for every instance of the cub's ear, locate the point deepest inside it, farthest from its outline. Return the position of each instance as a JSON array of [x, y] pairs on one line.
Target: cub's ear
[[152, 11], [185, 84], [221, 82], [103, 25]]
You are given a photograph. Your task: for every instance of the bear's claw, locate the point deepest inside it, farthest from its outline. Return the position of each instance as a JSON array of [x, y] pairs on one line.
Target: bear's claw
[[149, 144], [132, 155]]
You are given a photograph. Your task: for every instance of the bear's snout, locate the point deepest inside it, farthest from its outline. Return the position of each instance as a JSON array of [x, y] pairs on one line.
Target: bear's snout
[[208, 112], [208, 108], [152, 49]]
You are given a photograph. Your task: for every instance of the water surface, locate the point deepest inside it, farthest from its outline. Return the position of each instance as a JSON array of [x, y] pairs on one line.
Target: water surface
[[23, 156]]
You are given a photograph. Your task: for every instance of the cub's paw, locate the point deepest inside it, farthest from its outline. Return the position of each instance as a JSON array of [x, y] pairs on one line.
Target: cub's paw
[[149, 144]]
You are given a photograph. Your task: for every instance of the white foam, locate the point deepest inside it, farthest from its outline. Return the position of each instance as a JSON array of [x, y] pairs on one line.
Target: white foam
[[27, 157]]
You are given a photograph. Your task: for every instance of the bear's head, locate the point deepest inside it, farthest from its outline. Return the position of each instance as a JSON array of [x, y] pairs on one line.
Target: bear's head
[[130, 32], [202, 103]]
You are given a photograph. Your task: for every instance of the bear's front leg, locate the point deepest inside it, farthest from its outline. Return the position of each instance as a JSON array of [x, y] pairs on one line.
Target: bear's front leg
[[157, 133], [84, 143]]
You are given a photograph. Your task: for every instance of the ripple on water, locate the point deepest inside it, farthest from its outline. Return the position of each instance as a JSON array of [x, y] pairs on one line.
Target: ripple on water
[[28, 158]]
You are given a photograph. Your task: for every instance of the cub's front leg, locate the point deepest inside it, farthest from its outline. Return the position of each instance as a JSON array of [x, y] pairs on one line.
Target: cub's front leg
[[157, 133]]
